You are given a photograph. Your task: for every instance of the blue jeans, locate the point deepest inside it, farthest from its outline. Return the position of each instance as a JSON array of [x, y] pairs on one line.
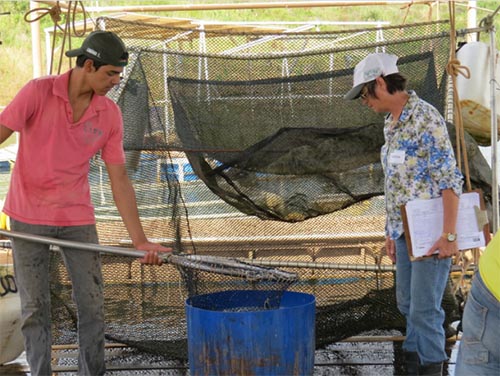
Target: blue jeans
[[479, 351], [31, 267], [419, 291]]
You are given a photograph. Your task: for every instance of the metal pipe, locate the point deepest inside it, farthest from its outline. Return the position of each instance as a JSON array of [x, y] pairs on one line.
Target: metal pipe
[[233, 6], [35, 45], [72, 244], [471, 20], [494, 129]]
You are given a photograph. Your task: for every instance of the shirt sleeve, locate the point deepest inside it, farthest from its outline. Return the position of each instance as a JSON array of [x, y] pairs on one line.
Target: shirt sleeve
[[18, 112], [113, 152], [442, 163]]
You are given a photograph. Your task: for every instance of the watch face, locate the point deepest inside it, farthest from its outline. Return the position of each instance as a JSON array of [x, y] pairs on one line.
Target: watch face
[[451, 237]]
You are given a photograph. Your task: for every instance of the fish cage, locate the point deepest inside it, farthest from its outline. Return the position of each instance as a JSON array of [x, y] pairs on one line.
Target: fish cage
[[239, 144]]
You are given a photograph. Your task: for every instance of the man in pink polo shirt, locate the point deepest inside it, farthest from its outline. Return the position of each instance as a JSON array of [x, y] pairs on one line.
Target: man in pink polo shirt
[[63, 121]]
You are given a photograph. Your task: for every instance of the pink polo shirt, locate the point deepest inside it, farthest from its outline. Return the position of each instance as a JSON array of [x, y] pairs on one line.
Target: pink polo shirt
[[49, 184]]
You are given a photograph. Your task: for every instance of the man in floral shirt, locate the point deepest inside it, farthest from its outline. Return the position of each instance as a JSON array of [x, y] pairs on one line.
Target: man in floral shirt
[[419, 163]]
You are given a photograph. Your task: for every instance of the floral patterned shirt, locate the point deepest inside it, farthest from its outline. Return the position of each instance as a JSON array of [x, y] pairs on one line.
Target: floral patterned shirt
[[417, 158]]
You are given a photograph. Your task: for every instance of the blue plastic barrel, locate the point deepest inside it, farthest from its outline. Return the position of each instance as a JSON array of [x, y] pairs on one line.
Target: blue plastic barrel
[[231, 333]]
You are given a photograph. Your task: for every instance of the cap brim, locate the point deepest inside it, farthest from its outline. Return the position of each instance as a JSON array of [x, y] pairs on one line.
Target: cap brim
[[74, 53], [354, 92], [77, 52]]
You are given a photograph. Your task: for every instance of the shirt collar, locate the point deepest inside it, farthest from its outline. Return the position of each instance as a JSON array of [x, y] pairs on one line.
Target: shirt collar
[[60, 89], [61, 83], [407, 110]]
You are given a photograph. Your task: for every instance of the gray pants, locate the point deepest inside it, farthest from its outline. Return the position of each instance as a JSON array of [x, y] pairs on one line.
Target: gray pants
[[31, 267]]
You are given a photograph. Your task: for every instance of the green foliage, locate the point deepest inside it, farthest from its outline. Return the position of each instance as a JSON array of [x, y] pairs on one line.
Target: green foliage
[[12, 29]]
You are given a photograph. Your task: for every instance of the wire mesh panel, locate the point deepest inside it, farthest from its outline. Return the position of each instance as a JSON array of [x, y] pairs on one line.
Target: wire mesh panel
[[242, 146]]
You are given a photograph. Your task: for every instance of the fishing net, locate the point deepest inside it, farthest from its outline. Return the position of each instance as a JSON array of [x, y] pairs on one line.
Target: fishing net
[[241, 145]]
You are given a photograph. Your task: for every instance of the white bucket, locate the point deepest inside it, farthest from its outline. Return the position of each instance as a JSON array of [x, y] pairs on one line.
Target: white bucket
[[11, 338], [474, 93]]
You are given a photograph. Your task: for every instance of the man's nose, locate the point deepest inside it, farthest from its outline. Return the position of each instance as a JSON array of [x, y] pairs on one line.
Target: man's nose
[[116, 79]]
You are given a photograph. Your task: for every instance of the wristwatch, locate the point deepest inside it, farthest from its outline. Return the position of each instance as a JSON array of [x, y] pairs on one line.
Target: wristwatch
[[449, 236]]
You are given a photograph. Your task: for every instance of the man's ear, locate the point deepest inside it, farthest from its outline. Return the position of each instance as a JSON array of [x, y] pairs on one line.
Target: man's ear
[[88, 65], [381, 83]]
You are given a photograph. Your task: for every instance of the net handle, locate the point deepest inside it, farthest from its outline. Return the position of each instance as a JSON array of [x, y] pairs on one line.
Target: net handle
[[219, 265], [75, 245]]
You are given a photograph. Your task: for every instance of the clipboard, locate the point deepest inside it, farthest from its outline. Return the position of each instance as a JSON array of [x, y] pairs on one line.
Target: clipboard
[[472, 223]]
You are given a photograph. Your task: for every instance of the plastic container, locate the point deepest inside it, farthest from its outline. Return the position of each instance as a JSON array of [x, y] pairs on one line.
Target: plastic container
[[475, 92], [231, 333], [11, 338]]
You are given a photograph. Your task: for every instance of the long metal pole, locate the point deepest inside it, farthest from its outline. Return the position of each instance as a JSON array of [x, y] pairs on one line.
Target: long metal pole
[[250, 5], [494, 130], [471, 20], [72, 244]]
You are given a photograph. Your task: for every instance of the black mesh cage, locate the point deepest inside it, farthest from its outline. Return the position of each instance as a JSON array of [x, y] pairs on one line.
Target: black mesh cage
[[242, 146]]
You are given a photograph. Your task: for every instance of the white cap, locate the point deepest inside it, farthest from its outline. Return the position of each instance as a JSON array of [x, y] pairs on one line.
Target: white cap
[[368, 69]]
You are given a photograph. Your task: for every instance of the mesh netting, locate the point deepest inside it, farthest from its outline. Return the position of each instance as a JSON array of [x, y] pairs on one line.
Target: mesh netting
[[242, 146]]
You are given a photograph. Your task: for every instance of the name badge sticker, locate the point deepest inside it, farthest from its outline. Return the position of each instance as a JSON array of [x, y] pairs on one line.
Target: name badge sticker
[[397, 157]]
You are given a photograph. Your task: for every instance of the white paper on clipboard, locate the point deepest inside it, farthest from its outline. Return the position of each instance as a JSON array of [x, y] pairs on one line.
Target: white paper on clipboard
[[425, 223]]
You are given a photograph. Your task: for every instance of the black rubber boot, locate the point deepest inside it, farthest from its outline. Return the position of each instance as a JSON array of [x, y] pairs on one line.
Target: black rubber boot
[[431, 369], [411, 363]]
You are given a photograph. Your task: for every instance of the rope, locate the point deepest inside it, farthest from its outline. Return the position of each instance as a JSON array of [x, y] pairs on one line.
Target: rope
[[407, 12], [54, 12], [488, 21], [408, 7], [454, 68], [71, 15], [56, 15], [8, 284]]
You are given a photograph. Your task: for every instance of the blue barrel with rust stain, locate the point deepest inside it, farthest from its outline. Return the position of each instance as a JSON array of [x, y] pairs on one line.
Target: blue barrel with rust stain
[[231, 333]]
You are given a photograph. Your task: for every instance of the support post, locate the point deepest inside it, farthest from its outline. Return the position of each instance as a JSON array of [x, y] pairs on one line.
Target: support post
[[494, 129], [35, 44]]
